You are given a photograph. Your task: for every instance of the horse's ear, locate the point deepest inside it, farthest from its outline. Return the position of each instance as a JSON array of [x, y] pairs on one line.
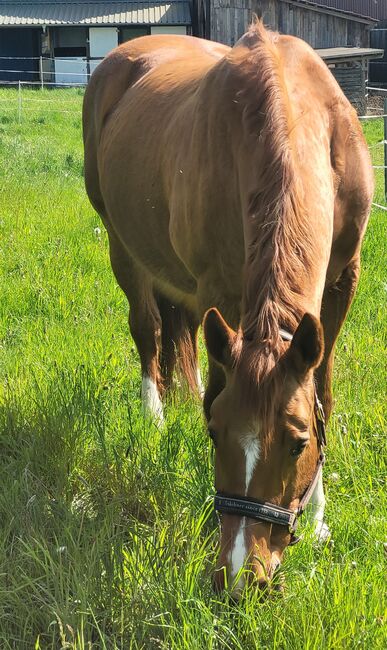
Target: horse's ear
[[307, 347], [219, 337]]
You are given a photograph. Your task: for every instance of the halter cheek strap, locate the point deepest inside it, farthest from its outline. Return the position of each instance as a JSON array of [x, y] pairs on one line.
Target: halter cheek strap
[[269, 512], [259, 510]]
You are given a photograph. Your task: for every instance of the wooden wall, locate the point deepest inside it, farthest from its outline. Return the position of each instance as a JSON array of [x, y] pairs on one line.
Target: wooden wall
[[352, 82], [230, 18]]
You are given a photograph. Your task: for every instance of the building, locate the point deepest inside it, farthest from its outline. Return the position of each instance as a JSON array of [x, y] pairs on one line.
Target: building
[[63, 41], [377, 10], [319, 25], [342, 38]]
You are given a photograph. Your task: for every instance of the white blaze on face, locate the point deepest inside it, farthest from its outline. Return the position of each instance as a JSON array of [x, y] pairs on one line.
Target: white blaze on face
[[238, 556], [151, 401], [251, 447]]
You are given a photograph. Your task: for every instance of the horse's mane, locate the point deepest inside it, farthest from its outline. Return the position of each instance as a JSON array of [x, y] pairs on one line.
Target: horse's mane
[[279, 254], [279, 248]]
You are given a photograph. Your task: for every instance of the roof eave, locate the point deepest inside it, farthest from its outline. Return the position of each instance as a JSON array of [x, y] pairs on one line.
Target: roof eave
[[340, 13]]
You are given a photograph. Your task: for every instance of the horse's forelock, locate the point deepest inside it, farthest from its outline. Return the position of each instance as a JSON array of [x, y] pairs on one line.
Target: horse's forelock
[[261, 378]]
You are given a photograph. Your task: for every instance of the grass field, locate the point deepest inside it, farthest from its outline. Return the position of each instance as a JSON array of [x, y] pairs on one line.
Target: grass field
[[107, 532]]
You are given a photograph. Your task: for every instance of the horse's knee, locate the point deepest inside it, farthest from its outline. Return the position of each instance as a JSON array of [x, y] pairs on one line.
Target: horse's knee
[[145, 327]]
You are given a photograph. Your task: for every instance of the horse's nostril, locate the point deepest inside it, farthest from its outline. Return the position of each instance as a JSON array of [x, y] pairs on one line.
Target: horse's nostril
[[274, 567], [262, 583], [278, 587], [258, 579]]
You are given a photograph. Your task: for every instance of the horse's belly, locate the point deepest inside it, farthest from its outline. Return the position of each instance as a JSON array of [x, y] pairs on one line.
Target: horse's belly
[[143, 230]]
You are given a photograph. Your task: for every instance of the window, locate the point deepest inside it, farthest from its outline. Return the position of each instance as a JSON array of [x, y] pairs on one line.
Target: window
[[128, 33], [70, 41]]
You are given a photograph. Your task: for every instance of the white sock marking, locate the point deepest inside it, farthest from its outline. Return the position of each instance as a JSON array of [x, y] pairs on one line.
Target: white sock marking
[[151, 401], [317, 503], [252, 448], [201, 388]]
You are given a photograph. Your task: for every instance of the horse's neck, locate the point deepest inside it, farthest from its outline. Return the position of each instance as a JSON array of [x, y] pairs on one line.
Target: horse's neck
[[282, 164], [287, 242]]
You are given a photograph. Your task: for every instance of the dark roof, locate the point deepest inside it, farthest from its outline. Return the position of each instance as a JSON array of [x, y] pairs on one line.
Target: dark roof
[[376, 9], [99, 12], [321, 5]]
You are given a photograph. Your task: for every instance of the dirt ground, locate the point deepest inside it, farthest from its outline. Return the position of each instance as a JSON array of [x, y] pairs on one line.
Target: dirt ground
[[375, 103]]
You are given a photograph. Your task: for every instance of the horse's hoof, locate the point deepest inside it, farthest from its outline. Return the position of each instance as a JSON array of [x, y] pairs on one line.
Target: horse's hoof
[[322, 534]]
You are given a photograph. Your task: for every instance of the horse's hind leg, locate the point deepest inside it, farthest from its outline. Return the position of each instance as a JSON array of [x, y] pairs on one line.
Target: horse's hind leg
[[144, 324], [179, 344], [336, 302]]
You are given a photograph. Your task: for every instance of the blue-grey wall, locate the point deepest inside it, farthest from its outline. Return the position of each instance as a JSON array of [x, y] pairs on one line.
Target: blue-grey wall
[[19, 42]]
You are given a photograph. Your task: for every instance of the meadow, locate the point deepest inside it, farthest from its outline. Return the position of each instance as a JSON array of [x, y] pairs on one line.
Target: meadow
[[107, 533]]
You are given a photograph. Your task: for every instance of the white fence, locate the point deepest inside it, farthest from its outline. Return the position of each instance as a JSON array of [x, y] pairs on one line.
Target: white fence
[[24, 104], [382, 143], [47, 70]]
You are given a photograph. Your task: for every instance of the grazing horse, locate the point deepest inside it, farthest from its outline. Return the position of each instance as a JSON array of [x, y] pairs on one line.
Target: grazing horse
[[235, 184]]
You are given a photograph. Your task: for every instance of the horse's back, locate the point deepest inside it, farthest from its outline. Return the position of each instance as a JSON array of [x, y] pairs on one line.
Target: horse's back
[[120, 71], [130, 61]]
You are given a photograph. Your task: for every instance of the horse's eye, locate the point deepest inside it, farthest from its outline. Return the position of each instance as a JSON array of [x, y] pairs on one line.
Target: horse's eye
[[299, 448], [212, 435]]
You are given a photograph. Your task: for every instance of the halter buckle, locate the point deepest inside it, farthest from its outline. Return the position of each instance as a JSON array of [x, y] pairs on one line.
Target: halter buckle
[[293, 521]]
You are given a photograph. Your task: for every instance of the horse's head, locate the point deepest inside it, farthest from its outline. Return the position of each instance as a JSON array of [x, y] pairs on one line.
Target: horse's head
[[263, 427]]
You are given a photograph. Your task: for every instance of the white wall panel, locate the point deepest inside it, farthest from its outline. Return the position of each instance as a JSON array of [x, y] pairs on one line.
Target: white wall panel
[[169, 29], [102, 40], [71, 70]]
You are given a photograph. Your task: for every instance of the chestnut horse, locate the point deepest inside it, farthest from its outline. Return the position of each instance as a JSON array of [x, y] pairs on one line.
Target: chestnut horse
[[235, 185]]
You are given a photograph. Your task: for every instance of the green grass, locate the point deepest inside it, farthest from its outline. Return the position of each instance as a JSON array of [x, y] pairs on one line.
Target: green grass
[[107, 534]]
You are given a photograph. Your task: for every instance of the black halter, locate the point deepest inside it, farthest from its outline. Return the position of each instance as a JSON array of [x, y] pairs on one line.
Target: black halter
[[268, 512]]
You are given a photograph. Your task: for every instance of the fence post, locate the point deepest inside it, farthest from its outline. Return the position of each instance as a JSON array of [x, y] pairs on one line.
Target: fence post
[[385, 146], [41, 72], [19, 111]]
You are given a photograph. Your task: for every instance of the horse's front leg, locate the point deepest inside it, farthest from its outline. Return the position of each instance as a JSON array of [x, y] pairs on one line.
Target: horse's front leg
[[316, 513], [144, 323], [213, 293], [337, 299], [216, 383]]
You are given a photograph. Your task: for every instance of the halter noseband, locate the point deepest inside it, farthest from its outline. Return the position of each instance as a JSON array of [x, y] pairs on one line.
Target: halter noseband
[[268, 512]]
